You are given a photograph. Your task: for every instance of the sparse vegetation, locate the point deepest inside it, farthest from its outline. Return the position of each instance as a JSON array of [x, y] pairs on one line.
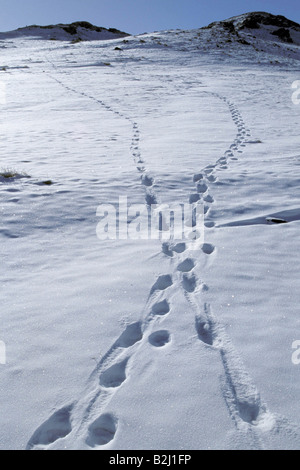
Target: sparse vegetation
[[10, 173]]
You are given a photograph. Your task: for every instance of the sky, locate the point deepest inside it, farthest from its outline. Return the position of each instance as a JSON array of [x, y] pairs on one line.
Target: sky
[[136, 16]]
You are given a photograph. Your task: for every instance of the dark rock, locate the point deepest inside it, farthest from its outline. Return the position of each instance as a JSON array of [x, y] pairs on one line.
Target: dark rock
[[276, 220], [283, 34], [70, 29], [254, 20], [229, 26], [250, 23]]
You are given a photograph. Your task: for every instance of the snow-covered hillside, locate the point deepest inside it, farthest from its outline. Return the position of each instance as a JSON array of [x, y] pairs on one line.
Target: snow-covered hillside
[[78, 31], [148, 343]]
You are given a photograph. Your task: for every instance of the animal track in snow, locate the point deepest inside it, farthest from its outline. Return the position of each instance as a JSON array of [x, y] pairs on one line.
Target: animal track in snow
[[209, 169], [159, 338], [186, 266], [189, 282], [162, 283], [115, 375], [150, 199], [197, 177], [204, 330], [102, 431], [212, 178], [56, 427], [208, 248], [166, 249], [147, 180], [161, 308], [179, 247], [206, 209], [208, 198], [131, 335], [240, 393], [202, 188], [243, 401], [209, 224], [194, 198]]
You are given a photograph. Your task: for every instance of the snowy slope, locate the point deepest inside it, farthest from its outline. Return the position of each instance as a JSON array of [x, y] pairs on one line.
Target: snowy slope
[[144, 344]]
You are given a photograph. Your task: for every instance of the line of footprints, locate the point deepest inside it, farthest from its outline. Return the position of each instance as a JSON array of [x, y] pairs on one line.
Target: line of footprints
[[111, 371]]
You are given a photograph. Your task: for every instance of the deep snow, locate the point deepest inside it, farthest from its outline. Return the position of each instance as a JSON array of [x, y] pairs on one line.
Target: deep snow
[[139, 344]]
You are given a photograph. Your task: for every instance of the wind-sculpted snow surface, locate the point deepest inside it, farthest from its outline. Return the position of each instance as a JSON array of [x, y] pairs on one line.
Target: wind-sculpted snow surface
[[195, 343]]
